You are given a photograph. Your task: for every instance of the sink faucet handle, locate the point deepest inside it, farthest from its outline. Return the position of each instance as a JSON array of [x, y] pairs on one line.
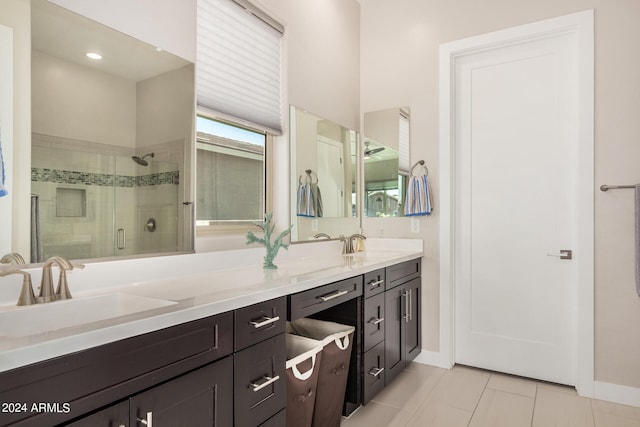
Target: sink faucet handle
[[27, 296], [12, 258]]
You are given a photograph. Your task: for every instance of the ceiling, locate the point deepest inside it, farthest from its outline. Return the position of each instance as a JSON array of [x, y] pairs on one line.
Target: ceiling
[[59, 32]]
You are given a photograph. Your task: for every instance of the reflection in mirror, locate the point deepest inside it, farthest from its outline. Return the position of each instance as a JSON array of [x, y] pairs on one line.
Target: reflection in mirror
[[230, 162], [110, 141], [386, 161], [324, 177]]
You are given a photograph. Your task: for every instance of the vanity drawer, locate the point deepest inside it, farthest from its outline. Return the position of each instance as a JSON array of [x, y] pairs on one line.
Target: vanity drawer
[[403, 272], [373, 325], [309, 302], [259, 321], [373, 282], [373, 372], [260, 382]]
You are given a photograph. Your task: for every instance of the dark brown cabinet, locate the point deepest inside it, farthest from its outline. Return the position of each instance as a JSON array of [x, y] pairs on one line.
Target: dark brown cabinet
[[402, 318], [391, 324], [113, 416], [200, 398], [227, 369]]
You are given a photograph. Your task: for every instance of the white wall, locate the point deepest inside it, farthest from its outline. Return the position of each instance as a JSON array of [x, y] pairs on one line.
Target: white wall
[[399, 51], [81, 103]]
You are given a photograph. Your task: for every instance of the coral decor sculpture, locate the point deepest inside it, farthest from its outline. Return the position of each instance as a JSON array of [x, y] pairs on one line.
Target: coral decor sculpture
[[272, 248]]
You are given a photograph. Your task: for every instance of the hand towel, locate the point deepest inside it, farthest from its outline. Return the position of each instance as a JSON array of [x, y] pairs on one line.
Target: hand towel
[[637, 238], [418, 200]]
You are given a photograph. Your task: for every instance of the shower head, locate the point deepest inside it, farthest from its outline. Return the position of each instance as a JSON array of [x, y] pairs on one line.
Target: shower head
[[141, 160]]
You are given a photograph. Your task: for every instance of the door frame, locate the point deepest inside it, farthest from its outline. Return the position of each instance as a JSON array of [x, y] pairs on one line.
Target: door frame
[[581, 24]]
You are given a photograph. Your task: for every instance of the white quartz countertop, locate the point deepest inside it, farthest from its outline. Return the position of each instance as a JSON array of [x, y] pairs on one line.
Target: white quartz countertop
[[192, 286]]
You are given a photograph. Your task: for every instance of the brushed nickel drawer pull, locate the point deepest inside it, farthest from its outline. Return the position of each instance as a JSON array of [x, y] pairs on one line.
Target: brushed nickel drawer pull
[[374, 372], [336, 294], [268, 381], [267, 321], [376, 321], [376, 283], [148, 421]]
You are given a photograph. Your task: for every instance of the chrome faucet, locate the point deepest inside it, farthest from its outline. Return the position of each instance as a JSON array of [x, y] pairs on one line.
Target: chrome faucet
[[47, 293], [12, 258], [319, 235], [26, 294], [349, 247]]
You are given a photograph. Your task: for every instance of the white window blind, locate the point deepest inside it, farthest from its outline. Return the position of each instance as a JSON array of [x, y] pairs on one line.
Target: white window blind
[[238, 63], [403, 143]]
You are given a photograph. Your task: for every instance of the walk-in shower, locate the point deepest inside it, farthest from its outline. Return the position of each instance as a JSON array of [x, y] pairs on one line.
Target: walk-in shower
[[141, 160], [94, 204]]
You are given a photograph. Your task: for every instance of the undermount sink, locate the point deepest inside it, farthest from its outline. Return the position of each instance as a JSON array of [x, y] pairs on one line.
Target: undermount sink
[[40, 318]]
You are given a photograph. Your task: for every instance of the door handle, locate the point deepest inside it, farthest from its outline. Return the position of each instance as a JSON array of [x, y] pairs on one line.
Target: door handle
[[564, 254], [121, 238], [405, 296]]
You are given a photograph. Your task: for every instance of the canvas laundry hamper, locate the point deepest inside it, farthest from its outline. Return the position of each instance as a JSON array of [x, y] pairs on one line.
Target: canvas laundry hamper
[[336, 341], [303, 365]]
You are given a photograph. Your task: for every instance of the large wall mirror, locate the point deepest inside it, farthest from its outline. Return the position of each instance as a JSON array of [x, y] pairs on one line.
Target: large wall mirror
[[111, 141], [386, 161], [324, 187]]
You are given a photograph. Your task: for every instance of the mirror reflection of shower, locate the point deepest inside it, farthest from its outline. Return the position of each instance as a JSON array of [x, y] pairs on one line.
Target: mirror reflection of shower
[[141, 160]]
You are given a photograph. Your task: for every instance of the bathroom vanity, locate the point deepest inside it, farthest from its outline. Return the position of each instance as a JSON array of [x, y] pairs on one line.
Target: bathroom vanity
[[216, 357]]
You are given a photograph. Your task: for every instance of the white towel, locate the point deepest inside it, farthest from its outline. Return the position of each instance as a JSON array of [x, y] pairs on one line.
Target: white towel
[[418, 200]]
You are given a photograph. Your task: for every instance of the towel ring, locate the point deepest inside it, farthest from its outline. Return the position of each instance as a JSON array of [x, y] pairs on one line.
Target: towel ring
[[420, 163], [308, 179]]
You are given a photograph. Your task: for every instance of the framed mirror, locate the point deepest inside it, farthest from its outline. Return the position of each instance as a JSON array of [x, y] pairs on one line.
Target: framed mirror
[[112, 132], [386, 161], [324, 177]]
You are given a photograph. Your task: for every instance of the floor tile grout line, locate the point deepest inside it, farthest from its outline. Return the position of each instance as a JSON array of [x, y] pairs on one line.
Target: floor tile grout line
[[535, 402], [473, 413]]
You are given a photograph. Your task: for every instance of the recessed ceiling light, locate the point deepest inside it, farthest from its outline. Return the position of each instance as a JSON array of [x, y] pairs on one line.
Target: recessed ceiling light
[[94, 55]]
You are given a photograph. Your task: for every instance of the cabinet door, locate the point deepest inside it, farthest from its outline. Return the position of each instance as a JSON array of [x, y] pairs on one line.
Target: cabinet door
[[203, 397], [394, 306], [113, 416], [373, 324], [412, 326], [373, 371], [260, 382]]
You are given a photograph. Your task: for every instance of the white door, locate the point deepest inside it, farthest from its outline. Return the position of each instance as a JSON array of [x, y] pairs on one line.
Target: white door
[[514, 178], [331, 178]]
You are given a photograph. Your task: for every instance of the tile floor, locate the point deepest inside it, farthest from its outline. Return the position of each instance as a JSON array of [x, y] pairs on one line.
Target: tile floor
[[428, 396]]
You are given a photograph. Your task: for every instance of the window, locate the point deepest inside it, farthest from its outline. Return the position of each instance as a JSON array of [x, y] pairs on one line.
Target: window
[[238, 85], [230, 186]]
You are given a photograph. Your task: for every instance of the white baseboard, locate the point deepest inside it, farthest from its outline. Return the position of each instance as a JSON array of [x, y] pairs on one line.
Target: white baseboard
[[616, 393], [431, 358]]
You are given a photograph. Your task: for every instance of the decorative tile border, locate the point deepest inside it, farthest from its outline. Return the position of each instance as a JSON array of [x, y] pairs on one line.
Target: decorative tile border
[[101, 179]]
